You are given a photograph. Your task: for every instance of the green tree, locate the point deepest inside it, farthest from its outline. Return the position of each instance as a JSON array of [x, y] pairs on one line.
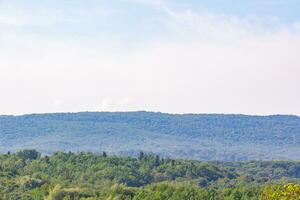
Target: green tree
[[281, 192], [28, 154], [104, 154]]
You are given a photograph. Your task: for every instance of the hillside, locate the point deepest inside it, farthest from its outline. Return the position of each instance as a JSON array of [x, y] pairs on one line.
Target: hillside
[[192, 136], [28, 176]]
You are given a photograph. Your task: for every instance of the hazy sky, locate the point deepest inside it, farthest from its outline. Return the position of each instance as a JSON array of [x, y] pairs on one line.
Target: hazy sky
[[192, 56]]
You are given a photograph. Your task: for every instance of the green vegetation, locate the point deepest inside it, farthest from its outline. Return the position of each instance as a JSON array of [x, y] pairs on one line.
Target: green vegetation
[[190, 136], [281, 192], [28, 175]]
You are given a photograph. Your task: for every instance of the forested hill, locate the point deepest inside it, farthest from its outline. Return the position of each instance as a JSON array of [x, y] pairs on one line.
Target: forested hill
[[191, 136], [26, 175]]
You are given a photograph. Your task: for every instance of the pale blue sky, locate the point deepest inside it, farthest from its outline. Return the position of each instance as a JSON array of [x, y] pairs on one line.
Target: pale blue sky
[[220, 56], [135, 19]]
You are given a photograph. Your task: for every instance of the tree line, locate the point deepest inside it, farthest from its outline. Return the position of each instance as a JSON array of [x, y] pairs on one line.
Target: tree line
[[66, 175]]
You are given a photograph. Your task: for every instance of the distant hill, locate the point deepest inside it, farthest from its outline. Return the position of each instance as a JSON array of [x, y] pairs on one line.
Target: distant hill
[[191, 136]]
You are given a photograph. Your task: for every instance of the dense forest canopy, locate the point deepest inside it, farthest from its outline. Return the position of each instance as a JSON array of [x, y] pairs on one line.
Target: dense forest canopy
[[30, 176], [189, 136]]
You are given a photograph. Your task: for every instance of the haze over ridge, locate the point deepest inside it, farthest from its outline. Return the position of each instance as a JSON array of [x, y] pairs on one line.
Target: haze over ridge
[[190, 136]]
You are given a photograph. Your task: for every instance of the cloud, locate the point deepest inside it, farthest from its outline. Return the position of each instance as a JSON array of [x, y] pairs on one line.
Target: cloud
[[191, 62], [18, 17], [257, 76], [162, 20], [104, 106], [108, 104], [207, 26], [45, 15], [149, 2], [297, 26]]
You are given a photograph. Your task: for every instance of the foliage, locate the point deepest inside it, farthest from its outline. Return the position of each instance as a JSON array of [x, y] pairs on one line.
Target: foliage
[[28, 154], [190, 136], [281, 192], [89, 176]]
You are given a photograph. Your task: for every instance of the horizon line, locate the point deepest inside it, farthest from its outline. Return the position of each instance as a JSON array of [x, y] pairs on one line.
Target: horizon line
[[146, 111]]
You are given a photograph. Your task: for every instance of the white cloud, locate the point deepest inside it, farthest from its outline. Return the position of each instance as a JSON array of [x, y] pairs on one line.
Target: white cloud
[[15, 16], [257, 76], [57, 104], [201, 62], [149, 2], [189, 24], [104, 106], [297, 26]]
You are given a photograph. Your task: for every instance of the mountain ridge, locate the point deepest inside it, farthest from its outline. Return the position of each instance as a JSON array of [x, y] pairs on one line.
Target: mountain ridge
[[153, 112], [228, 137]]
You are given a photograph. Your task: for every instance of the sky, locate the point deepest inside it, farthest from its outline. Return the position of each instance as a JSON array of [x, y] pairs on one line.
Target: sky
[[192, 56]]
